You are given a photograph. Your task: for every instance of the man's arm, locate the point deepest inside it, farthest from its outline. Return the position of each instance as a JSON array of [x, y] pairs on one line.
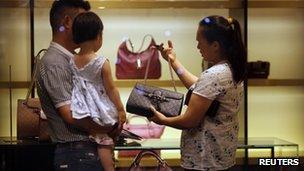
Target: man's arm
[[58, 83], [86, 124]]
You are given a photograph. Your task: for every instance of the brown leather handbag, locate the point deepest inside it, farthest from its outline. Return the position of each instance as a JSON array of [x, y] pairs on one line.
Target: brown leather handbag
[[132, 65], [31, 122]]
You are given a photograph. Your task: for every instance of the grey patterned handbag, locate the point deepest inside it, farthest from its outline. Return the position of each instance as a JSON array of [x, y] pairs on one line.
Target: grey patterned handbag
[[165, 101]]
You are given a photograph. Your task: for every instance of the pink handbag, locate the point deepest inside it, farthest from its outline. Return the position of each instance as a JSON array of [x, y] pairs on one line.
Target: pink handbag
[[132, 65], [162, 165], [146, 131]]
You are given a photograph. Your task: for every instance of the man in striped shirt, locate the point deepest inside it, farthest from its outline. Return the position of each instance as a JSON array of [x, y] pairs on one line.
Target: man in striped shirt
[[74, 151]]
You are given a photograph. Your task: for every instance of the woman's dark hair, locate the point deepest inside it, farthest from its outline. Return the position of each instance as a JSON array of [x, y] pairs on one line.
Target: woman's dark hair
[[86, 26], [60, 8], [227, 32]]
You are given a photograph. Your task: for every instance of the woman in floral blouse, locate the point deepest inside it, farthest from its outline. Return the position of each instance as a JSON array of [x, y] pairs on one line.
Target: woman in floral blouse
[[210, 142]]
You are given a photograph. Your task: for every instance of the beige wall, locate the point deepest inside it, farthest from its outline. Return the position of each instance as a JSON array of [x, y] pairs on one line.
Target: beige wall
[[14, 43]]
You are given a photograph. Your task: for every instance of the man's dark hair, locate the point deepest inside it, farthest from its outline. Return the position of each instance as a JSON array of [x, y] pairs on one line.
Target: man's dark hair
[[60, 9], [86, 26]]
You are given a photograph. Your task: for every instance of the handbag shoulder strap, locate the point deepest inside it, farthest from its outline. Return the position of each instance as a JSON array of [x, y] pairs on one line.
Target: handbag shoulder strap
[[170, 69], [34, 75], [131, 44], [143, 41]]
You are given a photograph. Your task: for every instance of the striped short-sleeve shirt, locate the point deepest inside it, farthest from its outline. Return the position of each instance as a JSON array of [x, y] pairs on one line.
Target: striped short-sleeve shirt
[[54, 87]]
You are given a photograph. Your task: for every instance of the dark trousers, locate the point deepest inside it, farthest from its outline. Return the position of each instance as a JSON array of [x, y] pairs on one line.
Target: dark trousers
[[77, 156]]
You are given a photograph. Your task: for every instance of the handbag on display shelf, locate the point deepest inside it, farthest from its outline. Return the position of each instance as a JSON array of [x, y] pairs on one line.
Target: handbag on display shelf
[[146, 131], [165, 101], [258, 69], [162, 164], [132, 65], [31, 121]]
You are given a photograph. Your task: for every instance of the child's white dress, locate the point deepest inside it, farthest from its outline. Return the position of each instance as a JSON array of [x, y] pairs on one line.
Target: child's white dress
[[89, 98]]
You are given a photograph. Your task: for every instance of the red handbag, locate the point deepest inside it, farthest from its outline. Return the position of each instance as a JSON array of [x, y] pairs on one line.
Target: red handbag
[[132, 65]]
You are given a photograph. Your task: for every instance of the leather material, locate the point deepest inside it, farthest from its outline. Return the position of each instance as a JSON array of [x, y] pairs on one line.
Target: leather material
[[127, 63], [258, 69], [29, 122], [165, 101]]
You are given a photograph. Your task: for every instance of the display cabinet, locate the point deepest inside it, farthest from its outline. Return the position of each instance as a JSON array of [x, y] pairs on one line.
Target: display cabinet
[[275, 104], [274, 29]]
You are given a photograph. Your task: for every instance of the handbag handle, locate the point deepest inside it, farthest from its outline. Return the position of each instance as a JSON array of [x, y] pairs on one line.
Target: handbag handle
[[34, 75], [170, 69], [143, 153], [142, 43], [148, 65]]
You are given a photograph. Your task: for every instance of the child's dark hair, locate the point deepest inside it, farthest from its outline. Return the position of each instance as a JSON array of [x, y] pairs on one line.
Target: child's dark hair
[[86, 26], [59, 10], [227, 32]]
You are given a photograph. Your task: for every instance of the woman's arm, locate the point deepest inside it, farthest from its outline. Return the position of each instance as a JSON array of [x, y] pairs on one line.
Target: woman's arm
[[112, 91], [193, 116], [184, 75]]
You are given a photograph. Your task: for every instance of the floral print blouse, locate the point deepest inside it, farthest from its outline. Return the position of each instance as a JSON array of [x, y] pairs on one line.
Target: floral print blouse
[[212, 145]]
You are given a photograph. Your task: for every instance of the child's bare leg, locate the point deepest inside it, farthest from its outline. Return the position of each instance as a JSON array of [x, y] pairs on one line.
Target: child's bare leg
[[106, 154]]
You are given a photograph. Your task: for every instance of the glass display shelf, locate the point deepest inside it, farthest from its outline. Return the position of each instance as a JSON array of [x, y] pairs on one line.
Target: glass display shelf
[[174, 144], [168, 144]]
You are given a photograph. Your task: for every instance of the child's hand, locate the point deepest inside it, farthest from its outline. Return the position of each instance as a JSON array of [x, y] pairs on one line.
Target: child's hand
[[122, 117], [121, 121]]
